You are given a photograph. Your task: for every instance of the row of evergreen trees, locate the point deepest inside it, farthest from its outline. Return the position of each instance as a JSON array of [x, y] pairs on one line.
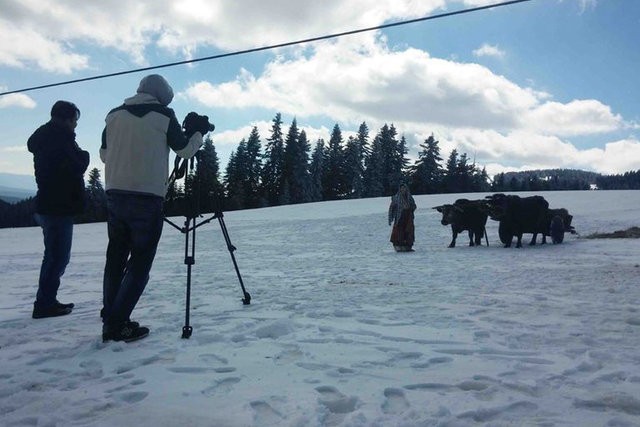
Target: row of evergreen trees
[[288, 169]]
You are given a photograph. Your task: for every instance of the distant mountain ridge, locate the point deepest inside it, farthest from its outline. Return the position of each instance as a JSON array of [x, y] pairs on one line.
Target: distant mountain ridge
[[14, 187], [13, 195]]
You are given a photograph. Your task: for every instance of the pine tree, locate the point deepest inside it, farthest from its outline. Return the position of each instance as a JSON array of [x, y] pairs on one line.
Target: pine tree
[[235, 178], [426, 173], [481, 181], [374, 169], [296, 166], [316, 172], [207, 178], [96, 210], [354, 162], [254, 167], [271, 177], [464, 174], [450, 181], [401, 162], [385, 163], [302, 178], [334, 185]]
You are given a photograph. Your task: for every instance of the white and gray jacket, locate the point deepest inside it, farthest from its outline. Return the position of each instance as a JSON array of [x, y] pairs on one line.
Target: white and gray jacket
[[136, 142]]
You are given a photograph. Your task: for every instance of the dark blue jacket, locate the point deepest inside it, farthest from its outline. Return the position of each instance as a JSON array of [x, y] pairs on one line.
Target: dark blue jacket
[[59, 168]]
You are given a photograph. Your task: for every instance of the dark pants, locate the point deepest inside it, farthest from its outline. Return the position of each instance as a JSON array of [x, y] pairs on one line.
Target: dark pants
[[58, 234], [134, 226]]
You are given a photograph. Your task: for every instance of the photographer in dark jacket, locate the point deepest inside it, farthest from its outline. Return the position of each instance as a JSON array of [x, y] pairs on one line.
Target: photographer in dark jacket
[[59, 165]]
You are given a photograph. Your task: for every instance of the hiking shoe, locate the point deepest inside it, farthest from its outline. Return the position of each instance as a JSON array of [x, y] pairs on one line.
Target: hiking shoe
[[63, 305], [126, 332], [53, 311]]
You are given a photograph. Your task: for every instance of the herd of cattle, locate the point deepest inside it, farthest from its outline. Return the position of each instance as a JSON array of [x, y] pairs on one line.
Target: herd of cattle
[[516, 215]]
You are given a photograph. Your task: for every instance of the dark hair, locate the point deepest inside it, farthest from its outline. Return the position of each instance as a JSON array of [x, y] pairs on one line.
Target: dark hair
[[64, 110]]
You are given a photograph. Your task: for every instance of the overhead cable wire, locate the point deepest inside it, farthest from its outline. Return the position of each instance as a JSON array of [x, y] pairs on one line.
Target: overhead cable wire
[[270, 47]]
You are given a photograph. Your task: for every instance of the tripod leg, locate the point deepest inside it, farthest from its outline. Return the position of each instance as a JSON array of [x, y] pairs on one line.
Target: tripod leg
[[247, 298], [189, 260]]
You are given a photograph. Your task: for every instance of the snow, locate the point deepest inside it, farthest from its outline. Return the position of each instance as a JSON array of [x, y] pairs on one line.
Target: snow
[[341, 330]]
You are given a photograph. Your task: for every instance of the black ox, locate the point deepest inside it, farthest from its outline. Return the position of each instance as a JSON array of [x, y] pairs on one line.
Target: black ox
[[463, 215], [518, 215]]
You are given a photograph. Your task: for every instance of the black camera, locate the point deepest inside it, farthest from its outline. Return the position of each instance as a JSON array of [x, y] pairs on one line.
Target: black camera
[[194, 122]]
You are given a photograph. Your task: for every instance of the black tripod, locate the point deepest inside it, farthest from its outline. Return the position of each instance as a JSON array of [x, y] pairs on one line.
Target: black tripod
[[189, 230]]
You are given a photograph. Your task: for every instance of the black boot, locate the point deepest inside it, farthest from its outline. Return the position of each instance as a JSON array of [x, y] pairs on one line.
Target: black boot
[[53, 311]]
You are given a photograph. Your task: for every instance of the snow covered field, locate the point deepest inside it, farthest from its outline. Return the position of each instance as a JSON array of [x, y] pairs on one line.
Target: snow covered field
[[341, 331]]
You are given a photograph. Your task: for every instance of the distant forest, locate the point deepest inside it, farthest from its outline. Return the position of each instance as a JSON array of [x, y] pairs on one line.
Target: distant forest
[[288, 169]]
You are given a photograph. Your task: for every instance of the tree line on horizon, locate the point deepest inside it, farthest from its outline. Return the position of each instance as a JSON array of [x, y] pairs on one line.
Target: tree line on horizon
[[288, 169]]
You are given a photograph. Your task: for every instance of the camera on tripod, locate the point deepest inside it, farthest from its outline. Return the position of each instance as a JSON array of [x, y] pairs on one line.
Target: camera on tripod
[[194, 122], [191, 124]]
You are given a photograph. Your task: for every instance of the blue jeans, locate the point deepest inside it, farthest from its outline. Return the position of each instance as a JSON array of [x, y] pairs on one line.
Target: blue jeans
[[134, 225], [58, 234]]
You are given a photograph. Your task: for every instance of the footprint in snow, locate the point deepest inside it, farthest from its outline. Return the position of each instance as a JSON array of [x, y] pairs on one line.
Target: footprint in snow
[[264, 414], [221, 386], [395, 401], [335, 401]]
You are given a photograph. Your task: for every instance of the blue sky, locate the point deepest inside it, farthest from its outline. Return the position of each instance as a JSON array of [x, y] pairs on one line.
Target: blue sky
[[539, 84]]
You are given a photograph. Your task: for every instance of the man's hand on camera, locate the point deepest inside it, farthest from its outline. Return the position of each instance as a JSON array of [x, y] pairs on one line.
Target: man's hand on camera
[[194, 122]]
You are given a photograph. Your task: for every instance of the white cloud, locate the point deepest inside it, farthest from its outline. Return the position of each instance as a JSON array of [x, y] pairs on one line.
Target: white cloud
[[578, 117], [16, 100], [475, 110], [52, 37], [351, 81], [525, 150], [489, 50], [618, 156], [23, 47], [520, 147]]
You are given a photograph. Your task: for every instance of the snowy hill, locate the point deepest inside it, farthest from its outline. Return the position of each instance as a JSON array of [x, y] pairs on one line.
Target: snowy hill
[[341, 331]]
